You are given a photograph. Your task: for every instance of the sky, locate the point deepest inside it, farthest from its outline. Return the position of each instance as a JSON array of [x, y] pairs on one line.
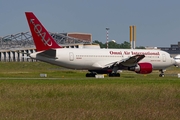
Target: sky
[[157, 21]]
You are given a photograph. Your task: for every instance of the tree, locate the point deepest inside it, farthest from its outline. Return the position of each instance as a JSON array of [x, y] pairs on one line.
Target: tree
[[100, 43], [112, 44], [140, 47], [125, 45]]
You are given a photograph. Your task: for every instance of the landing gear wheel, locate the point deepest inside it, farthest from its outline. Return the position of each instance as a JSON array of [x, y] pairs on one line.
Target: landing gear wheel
[[161, 75], [117, 75], [90, 74], [114, 75]]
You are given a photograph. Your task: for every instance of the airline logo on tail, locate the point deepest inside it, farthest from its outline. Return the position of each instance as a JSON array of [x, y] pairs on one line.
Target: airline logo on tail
[[42, 39], [38, 31]]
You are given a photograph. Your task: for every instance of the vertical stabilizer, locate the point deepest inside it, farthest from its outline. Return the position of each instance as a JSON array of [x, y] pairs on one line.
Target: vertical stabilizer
[[42, 39]]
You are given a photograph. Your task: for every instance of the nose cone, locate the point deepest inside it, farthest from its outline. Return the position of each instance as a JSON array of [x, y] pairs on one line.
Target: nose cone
[[177, 61]]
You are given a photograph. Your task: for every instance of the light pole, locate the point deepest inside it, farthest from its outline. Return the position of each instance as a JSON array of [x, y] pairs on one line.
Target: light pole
[[107, 37]]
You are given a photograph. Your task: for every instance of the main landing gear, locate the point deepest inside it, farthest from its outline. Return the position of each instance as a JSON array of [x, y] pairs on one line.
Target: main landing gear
[[93, 74], [114, 75], [162, 73]]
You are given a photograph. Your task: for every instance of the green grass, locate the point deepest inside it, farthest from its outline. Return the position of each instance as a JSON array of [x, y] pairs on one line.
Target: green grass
[[67, 94], [33, 70]]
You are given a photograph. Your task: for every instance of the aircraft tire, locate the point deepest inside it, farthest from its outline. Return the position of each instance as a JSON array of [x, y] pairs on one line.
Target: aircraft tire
[[90, 75], [114, 75], [161, 75]]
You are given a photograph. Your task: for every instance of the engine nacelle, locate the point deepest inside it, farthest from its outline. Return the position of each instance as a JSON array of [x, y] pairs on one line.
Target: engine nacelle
[[142, 68]]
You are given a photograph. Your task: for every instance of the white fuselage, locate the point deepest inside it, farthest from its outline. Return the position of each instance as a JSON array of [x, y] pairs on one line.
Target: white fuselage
[[90, 59]]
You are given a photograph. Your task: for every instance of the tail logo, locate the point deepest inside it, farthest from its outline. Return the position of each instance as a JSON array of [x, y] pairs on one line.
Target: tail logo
[[38, 31]]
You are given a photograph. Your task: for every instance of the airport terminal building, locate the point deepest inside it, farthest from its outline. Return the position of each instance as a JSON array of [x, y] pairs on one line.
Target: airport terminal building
[[174, 49]]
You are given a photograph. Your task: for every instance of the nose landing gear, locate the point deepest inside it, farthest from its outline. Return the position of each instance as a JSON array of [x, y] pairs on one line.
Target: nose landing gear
[[162, 73]]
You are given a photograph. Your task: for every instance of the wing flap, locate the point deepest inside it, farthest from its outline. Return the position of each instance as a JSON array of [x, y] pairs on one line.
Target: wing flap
[[104, 64]]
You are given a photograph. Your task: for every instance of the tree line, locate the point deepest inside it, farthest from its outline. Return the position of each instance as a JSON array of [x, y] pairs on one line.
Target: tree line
[[112, 44]]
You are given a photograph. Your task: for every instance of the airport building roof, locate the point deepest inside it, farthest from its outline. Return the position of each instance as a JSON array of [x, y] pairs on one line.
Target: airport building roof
[[24, 39]]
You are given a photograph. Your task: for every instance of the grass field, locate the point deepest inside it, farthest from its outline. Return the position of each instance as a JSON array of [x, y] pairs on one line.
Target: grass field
[[67, 94]]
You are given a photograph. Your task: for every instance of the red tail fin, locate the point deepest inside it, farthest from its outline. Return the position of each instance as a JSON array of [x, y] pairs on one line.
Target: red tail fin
[[42, 39]]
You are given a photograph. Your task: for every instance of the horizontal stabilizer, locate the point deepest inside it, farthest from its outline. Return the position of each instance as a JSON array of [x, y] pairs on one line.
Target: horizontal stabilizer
[[51, 53]]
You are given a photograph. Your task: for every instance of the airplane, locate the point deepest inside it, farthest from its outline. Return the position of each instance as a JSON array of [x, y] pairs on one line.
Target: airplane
[[96, 61]]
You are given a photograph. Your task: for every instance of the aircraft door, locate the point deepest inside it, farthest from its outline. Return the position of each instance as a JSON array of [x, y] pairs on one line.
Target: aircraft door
[[71, 56], [164, 57]]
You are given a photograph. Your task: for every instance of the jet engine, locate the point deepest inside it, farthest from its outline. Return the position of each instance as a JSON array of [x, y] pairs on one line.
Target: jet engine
[[177, 60], [142, 68]]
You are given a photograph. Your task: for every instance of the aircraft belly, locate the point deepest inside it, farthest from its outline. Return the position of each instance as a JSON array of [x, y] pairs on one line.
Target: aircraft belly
[[76, 64]]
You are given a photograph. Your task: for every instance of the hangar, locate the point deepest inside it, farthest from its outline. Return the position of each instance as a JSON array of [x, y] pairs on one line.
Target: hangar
[[15, 47]]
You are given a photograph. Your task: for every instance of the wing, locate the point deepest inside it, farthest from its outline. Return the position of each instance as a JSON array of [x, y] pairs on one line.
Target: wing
[[129, 62], [132, 61]]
